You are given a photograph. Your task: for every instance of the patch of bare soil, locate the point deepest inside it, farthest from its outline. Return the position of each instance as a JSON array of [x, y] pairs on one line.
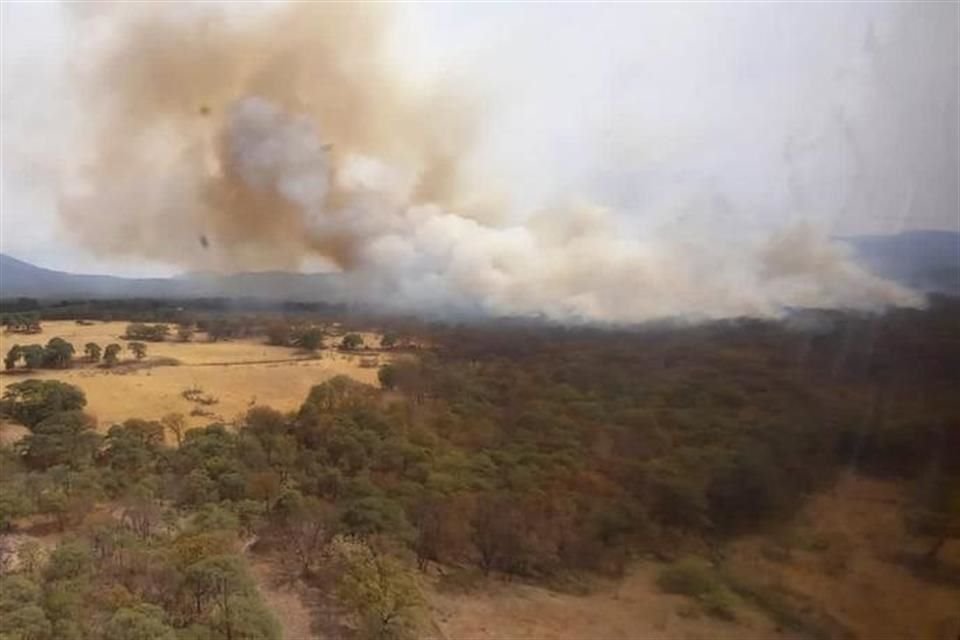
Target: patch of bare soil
[[844, 560], [305, 610], [11, 433]]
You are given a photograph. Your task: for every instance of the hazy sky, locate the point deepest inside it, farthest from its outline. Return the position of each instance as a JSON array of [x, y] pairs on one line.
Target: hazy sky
[[757, 115]]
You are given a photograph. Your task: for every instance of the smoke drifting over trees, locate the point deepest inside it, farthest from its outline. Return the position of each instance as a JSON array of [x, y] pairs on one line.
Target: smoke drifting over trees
[[293, 137]]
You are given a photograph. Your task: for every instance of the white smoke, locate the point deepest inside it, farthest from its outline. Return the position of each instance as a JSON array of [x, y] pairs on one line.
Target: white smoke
[[270, 150], [639, 163], [569, 264]]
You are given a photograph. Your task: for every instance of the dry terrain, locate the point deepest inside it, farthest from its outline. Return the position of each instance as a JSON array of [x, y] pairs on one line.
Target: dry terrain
[[629, 609], [238, 373], [848, 557], [838, 567], [841, 566], [844, 566]]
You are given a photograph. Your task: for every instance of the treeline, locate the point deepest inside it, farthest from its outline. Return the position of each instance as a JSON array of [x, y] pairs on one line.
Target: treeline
[[59, 354], [220, 318], [168, 310], [310, 337], [27, 322], [56, 354]]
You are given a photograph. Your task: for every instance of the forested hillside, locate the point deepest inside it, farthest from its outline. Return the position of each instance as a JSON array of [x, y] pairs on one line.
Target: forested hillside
[[527, 452]]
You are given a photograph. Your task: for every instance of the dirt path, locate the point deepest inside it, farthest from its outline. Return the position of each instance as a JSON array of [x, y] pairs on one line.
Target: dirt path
[[284, 601], [241, 363]]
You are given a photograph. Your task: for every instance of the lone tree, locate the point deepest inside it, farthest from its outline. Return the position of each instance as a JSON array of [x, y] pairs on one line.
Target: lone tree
[[279, 334], [377, 589], [111, 354], [32, 401], [388, 341], [304, 523], [93, 351], [65, 438], [22, 322], [12, 357], [351, 341], [138, 349], [58, 353], [176, 424], [185, 332], [309, 339], [387, 375], [935, 511], [33, 356], [222, 590]]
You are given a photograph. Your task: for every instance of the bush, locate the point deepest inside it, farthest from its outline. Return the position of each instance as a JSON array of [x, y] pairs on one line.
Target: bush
[[308, 339], [782, 608], [696, 578], [689, 576], [720, 603], [351, 342]]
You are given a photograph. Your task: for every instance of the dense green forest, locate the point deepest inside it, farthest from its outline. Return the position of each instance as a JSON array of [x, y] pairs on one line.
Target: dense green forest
[[516, 450]]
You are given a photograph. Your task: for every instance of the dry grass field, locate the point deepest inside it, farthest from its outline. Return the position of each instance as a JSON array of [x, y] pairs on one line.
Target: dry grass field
[[238, 373], [624, 610]]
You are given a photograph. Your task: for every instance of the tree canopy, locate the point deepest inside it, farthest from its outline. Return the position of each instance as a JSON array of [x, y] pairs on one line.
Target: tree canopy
[[32, 401]]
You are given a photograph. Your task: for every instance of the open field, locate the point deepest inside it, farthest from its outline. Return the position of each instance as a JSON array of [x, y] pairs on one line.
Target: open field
[[239, 373]]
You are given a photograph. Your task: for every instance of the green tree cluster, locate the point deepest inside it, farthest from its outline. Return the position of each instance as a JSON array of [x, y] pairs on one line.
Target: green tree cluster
[[147, 332], [26, 322], [57, 354]]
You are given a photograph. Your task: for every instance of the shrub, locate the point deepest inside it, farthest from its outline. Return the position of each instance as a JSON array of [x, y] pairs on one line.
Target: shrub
[[689, 576], [720, 603], [351, 342], [696, 578]]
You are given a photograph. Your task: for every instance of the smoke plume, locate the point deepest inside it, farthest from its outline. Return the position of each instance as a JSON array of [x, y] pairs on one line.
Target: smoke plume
[[292, 138]]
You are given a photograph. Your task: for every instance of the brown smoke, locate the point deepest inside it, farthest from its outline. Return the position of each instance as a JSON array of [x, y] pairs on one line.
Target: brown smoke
[[262, 137], [157, 174]]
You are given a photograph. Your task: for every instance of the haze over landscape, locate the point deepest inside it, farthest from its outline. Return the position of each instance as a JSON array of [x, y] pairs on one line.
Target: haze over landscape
[[706, 173]]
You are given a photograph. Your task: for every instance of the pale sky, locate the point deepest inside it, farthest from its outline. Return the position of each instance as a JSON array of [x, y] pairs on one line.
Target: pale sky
[[842, 114]]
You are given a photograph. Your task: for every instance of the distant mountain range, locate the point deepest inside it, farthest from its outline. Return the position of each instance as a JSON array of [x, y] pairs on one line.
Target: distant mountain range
[[925, 260], [22, 279]]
